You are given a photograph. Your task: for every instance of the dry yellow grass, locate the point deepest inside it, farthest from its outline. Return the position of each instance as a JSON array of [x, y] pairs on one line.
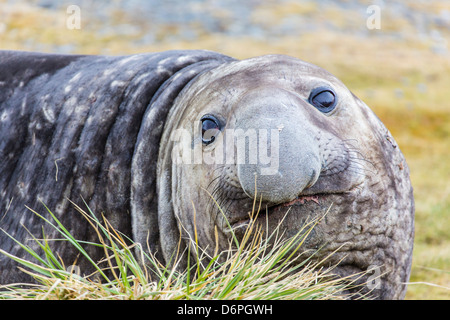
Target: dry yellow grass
[[257, 267]]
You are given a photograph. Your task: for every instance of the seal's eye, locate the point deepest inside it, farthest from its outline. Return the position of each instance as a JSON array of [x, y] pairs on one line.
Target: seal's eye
[[323, 98], [210, 129]]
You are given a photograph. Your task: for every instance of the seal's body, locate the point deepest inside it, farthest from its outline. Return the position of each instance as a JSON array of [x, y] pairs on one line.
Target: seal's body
[[149, 139]]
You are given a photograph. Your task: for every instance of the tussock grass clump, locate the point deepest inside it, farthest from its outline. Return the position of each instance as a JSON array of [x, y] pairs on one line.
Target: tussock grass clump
[[260, 266]]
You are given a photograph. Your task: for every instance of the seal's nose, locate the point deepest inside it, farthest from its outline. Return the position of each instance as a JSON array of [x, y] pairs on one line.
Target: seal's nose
[[277, 154]]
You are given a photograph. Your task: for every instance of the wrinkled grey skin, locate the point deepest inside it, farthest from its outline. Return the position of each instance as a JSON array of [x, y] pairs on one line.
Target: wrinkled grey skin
[[105, 129]]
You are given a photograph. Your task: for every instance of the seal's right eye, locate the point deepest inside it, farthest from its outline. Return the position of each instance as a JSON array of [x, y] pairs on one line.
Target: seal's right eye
[[323, 98], [210, 129]]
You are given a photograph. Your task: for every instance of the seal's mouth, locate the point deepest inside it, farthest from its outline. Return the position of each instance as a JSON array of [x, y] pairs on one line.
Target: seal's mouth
[[315, 199], [298, 201], [309, 202], [266, 211]]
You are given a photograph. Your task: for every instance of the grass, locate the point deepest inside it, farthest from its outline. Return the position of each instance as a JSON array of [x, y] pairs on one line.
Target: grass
[[401, 79], [259, 267]]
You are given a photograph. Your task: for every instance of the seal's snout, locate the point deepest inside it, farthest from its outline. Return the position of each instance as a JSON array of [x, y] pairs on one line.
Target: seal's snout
[[283, 159], [297, 168]]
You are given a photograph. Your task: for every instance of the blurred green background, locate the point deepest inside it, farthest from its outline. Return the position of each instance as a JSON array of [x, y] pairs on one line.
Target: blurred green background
[[400, 68]]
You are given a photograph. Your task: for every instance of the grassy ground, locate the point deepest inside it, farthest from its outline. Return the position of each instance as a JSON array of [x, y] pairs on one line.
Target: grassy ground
[[402, 79], [257, 267]]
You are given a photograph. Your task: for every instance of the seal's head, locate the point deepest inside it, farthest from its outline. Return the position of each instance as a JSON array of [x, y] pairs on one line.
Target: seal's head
[[293, 136]]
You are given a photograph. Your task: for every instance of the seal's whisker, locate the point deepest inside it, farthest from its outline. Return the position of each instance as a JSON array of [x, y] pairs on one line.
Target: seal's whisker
[[355, 159], [352, 148], [353, 139], [359, 170], [217, 190], [355, 162], [347, 144], [227, 205], [215, 196], [214, 205], [355, 150], [214, 183], [361, 156], [213, 180], [361, 161]]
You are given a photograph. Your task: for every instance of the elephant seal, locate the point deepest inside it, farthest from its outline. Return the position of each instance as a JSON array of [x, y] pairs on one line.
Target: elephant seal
[[151, 139]]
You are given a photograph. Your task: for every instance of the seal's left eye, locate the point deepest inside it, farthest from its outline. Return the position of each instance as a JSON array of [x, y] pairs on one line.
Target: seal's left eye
[[210, 129], [323, 98]]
